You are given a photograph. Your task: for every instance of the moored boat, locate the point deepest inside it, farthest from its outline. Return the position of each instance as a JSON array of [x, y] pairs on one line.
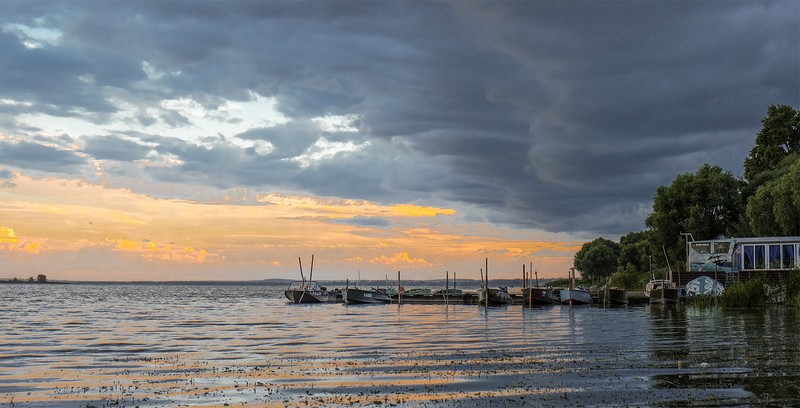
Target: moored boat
[[539, 296], [494, 296], [574, 296], [662, 291], [308, 291], [612, 296], [357, 295], [535, 295], [311, 292], [448, 292]]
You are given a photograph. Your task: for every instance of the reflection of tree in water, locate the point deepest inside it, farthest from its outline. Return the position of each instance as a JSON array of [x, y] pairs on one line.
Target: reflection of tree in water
[[773, 352], [670, 331], [753, 350]]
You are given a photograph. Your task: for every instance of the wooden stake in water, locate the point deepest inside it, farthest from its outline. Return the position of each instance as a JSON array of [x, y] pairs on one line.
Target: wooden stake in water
[[446, 287], [483, 286], [399, 293], [487, 282]]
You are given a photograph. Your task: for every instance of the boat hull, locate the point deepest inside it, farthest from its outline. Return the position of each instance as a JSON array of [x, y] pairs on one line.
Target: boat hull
[[664, 296], [313, 296], [496, 297], [574, 297], [355, 295], [613, 296], [539, 296], [661, 292]]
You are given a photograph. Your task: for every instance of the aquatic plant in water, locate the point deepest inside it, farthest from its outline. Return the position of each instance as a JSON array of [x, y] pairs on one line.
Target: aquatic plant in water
[[749, 294]]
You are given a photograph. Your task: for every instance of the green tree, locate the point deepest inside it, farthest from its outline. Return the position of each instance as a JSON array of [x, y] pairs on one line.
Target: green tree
[[629, 278], [635, 247], [774, 209], [707, 204], [779, 137], [597, 259]]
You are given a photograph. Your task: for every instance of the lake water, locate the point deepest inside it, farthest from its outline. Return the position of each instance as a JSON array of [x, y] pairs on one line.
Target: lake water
[[242, 345]]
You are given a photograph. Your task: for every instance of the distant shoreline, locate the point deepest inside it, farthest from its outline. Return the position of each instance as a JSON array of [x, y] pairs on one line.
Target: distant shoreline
[[343, 282]]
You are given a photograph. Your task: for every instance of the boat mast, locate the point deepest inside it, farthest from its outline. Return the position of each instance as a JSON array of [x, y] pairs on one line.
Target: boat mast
[[311, 274], [301, 270], [667, 258]]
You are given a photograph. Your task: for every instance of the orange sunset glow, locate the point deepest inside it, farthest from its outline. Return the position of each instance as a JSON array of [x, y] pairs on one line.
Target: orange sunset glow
[[83, 231]]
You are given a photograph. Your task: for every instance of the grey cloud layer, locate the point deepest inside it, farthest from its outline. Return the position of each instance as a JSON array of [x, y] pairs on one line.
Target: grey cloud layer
[[563, 116]]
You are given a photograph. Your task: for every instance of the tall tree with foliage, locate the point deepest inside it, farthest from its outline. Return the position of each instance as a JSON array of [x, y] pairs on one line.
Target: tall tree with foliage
[[635, 247], [774, 209], [597, 259], [707, 204], [633, 261], [779, 137]]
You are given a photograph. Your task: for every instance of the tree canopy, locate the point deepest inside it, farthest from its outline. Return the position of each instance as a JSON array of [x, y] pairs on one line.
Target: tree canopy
[[707, 203], [779, 137], [597, 259], [774, 209]]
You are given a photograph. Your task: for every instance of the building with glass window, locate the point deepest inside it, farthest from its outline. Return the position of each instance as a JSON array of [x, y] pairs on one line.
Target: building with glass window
[[733, 259]]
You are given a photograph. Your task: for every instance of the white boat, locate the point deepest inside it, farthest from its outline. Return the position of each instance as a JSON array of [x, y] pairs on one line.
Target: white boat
[[575, 295]]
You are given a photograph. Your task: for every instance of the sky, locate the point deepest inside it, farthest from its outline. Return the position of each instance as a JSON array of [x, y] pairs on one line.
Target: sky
[[227, 140]]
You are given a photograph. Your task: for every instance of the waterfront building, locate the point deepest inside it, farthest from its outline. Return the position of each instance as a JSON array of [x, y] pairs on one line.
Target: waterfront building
[[732, 259]]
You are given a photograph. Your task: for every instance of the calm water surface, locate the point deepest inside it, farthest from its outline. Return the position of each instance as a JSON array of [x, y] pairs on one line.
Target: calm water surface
[[243, 345]]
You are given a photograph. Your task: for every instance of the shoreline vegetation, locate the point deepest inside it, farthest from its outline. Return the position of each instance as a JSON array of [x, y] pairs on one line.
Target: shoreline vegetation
[[754, 293]]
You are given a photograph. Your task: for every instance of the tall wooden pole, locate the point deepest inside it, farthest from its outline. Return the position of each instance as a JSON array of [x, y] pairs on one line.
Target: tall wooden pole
[[446, 287], [487, 282], [399, 293], [524, 282], [483, 287]]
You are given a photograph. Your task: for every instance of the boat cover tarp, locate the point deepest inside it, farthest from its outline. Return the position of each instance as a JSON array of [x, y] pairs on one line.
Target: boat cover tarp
[[704, 285]]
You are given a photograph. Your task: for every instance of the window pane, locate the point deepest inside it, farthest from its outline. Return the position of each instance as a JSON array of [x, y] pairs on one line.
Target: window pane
[[774, 257], [722, 247], [760, 257], [749, 257], [702, 248], [788, 256]]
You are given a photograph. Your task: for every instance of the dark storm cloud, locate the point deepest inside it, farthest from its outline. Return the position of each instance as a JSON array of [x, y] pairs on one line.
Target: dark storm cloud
[[115, 148], [564, 116], [33, 156]]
